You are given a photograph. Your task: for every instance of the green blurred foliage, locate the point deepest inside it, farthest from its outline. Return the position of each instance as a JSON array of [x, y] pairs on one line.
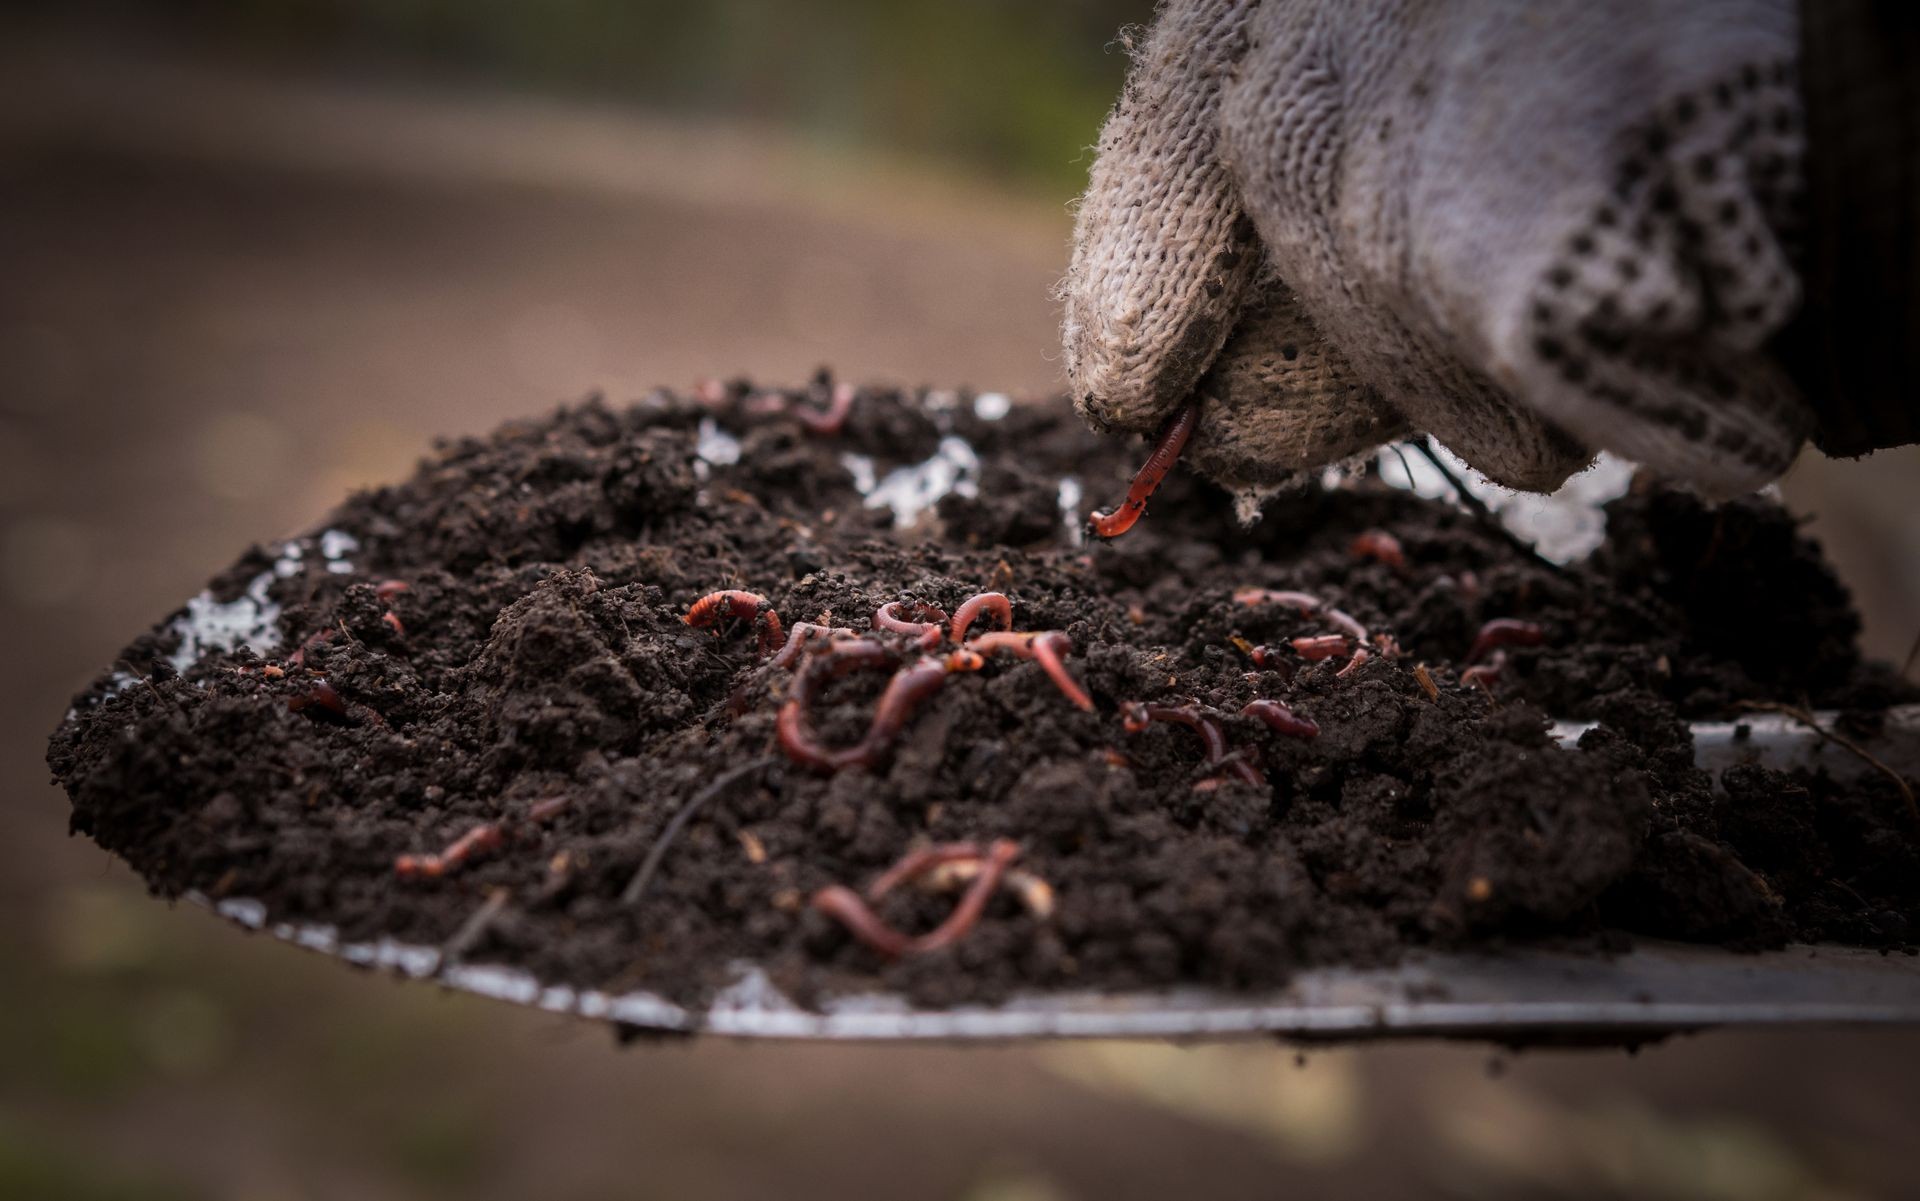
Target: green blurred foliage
[[1011, 88]]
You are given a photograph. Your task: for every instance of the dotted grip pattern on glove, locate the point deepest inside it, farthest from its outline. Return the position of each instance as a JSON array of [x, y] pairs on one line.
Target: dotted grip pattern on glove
[[1533, 230]]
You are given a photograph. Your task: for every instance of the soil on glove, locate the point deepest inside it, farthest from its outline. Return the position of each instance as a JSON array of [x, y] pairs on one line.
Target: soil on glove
[[501, 643]]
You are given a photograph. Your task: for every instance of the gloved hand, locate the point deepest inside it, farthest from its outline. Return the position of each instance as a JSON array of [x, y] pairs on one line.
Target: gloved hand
[[1531, 229]]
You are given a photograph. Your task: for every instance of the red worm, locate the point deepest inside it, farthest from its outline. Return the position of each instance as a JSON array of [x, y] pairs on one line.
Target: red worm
[[321, 695], [1306, 602], [1486, 675], [1320, 646], [743, 606], [1049, 649], [792, 726], [804, 634], [906, 691], [1311, 649], [845, 906], [479, 840], [1267, 659], [833, 418], [1360, 655], [1345, 624], [393, 622], [924, 621], [1504, 631], [386, 590], [1281, 719], [918, 863], [1166, 451], [991, 602], [1135, 717], [1381, 546]]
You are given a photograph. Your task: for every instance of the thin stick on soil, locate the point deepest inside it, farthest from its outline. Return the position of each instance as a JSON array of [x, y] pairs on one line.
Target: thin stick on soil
[[1805, 717], [474, 928], [637, 887], [1487, 516]]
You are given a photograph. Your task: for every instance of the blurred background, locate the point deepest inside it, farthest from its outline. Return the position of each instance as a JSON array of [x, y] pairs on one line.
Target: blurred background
[[254, 253]]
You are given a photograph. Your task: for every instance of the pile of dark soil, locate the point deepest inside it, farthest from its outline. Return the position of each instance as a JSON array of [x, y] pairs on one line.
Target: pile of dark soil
[[536, 671]]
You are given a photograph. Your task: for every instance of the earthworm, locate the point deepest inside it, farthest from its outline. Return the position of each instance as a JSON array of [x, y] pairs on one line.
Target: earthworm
[[1306, 602], [1135, 717], [1320, 646], [1381, 546], [1049, 649], [925, 622], [1034, 893], [802, 635], [846, 906], [745, 606], [1166, 451], [1267, 659], [1504, 631], [792, 726], [1281, 719], [833, 418], [386, 590], [905, 692], [485, 837], [1360, 655], [392, 620], [918, 863], [482, 838], [320, 695], [1310, 607], [1485, 675], [991, 602]]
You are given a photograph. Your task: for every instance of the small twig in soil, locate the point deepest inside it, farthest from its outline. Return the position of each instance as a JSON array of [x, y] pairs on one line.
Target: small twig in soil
[[474, 928], [1805, 717], [1166, 451], [637, 887], [1486, 516], [988, 602], [744, 606], [1424, 678]]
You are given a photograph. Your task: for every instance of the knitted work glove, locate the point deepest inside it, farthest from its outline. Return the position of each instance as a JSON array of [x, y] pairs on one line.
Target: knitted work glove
[[1531, 229]]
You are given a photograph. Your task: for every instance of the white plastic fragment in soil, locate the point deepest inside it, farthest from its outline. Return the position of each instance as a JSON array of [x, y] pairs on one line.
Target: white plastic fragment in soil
[[1564, 527], [992, 406], [953, 469], [714, 445], [1070, 496], [250, 620]]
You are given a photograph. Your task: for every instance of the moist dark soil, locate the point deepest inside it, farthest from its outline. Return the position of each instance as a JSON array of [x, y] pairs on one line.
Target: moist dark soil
[[537, 671]]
